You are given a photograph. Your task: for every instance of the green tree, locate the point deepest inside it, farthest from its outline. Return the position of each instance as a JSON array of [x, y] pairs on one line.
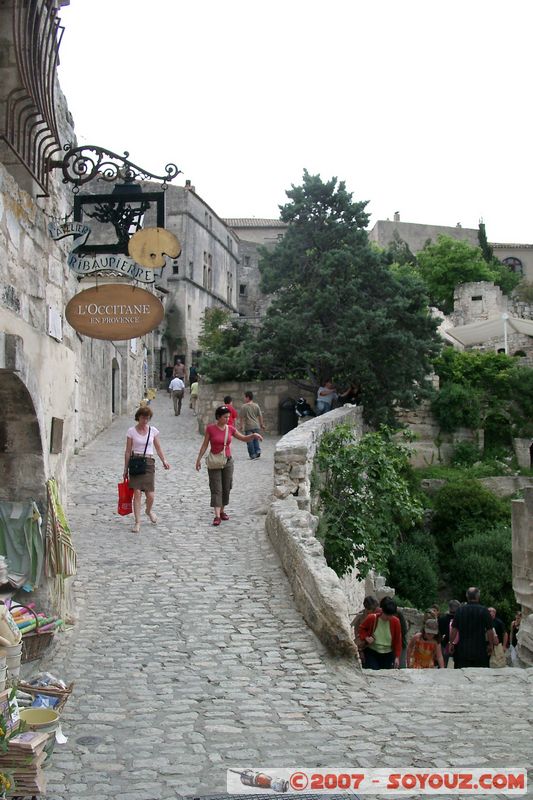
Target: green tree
[[448, 263], [366, 498], [486, 249], [228, 348], [451, 262], [338, 310], [478, 388]]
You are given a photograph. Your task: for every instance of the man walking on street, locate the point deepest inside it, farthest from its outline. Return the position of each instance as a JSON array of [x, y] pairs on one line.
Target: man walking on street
[[177, 388], [251, 421], [473, 623]]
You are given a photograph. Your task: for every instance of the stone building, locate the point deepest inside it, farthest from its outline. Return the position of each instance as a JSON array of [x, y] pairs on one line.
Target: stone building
[[204, 275], [253, 233], [58, 389], [518, 257]]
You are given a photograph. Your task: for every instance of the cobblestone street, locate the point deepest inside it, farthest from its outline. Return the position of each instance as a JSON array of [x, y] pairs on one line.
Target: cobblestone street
[[189, 656]]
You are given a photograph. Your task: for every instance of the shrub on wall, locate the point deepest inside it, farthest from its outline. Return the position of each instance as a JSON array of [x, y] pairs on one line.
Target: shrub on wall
[[413, 571], [456, 406], [484, 559], [462, 509], [366, 500]]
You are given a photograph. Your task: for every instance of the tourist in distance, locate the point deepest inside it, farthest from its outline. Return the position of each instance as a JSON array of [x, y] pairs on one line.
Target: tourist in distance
[[350, 396], [325, 398], [251, 421], [142, 439], [177, 389], [221, 477], [193, 399], [370, 604], [424, 650], [513, 640], [473, 623], [445, 621], [179, 370], [383, 636], [233, 413], [497, 659]]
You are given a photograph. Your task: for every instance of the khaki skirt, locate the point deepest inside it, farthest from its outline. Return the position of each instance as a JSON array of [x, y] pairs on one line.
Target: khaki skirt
[[146, 482]]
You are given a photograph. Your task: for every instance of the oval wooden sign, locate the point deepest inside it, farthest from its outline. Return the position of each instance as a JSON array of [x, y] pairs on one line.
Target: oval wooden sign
[[114, 312]]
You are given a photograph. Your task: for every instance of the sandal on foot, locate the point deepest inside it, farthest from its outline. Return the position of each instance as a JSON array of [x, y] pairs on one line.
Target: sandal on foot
[[152, 517], [224, 516], [216, 521], [136, 528]]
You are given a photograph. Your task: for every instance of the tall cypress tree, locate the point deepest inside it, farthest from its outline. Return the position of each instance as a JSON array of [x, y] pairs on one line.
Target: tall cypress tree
[[338, 311]]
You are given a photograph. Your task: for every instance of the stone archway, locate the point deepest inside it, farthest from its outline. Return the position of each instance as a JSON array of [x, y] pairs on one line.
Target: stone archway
[[21, 453]]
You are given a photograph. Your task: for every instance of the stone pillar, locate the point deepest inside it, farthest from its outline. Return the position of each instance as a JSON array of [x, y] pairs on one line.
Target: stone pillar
[[523, 571]]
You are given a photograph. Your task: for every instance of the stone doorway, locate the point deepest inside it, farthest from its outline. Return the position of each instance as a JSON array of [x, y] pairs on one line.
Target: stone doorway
[[21, 450]]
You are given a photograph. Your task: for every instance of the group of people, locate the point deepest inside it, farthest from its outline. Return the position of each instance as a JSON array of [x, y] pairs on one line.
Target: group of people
[[470, 633], [142, 441], [328, 397]]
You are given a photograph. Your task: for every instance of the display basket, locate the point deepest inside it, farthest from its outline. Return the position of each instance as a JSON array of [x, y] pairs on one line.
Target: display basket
[[35, 642], [49, 691]]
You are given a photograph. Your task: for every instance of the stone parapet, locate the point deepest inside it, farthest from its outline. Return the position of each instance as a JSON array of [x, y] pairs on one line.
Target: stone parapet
[[268, 394], [320, 595]]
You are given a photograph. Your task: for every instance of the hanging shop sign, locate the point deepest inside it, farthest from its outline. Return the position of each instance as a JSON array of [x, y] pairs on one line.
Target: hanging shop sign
[[150, 245], [114, 312], [86, 265]]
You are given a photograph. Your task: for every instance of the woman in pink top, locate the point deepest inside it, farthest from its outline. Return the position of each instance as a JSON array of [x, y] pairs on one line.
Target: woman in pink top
[[138, 437], [220, 480]]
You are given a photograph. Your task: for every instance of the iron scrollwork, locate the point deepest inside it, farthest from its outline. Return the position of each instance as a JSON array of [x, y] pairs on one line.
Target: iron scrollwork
[[87, 162]]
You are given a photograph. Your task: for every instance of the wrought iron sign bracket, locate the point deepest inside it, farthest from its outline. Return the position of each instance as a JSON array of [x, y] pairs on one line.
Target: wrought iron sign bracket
[[89, 162]]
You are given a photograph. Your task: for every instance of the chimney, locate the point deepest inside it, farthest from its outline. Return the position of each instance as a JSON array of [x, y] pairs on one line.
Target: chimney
[[396, 216]]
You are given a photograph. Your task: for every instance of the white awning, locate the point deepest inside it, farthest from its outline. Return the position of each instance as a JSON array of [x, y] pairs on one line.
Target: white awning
[[494, 328]]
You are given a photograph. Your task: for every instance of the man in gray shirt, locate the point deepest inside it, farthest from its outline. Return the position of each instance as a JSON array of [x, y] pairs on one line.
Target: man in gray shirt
[[251, 421]]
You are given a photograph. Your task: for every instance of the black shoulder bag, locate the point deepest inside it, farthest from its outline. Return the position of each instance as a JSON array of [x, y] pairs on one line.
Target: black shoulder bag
[[137, 464]]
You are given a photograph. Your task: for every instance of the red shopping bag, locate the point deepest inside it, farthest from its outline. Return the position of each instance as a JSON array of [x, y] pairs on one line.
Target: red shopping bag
[[125, 498]]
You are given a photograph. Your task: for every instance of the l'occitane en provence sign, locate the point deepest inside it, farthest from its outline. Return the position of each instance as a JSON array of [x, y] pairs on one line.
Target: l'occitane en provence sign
[[114, 312]]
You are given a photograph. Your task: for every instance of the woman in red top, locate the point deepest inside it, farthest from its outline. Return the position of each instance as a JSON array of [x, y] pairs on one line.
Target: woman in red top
[[382, 633], [220, 480]]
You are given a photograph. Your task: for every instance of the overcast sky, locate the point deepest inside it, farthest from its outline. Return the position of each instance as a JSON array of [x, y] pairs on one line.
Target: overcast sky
[[421, 106]]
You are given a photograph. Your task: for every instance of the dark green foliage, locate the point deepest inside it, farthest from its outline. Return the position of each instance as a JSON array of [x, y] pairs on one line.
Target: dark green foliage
[[490, 387], [366, 500], [484, 559], [464, 508], [338, 310], [486, 249], [413, 573], [466, 454], [399, 252], [228, 349], [455, 406]]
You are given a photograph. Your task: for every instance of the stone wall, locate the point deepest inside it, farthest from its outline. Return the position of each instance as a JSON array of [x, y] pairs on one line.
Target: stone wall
[[522, 511], [523, 452], [268, 394], [324, 602], [430, 445]]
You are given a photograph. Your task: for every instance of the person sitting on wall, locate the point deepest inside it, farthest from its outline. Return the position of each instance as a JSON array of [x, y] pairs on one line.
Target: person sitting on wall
[[325, 397], [351, 395]]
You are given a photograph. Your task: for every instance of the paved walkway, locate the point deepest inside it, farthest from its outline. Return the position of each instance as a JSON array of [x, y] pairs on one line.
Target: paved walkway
[[190, 658]]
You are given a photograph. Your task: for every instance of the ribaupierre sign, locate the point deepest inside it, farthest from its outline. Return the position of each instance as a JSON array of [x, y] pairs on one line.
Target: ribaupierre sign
[[114, 312], [127, 267]]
